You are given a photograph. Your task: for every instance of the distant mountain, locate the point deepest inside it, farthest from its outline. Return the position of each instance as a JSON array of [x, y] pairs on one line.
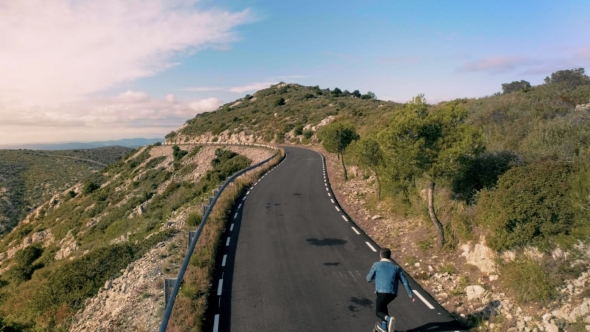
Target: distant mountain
[[129, 142]]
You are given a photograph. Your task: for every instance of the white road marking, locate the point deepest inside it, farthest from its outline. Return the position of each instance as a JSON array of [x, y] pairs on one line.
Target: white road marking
[[354, 229], [332, 200], [235, 215], [231, 228], [224, 259], [248, 192], [337, 209], [343, 217], [220, 287], [423, 299], [243, 199], [329, 194], [216, 323], [239, 206], [227, 243], [370, 246], [326, 188]]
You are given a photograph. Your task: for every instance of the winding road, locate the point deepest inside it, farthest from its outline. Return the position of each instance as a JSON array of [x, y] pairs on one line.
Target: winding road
[[291, 260]]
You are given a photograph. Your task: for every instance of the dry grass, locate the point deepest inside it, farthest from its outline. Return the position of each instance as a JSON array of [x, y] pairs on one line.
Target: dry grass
[[191, 304]]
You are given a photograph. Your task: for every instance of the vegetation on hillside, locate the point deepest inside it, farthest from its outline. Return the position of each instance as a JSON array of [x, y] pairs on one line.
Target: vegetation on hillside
[[116, 218], [30, 177], [511, 167]]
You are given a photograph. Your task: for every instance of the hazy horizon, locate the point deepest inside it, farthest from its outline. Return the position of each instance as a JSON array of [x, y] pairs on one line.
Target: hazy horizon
[[95, 70]]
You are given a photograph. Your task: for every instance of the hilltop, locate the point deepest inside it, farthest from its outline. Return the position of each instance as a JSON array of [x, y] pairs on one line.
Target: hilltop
[[30, 177], [511, 174]]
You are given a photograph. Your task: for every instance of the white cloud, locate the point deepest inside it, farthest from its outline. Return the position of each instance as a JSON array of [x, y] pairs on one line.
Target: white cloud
[[205, 105], [109, 116], [133, 97], [498, 64], [236, 89], [57, 53], [252, 87], [170, 98]]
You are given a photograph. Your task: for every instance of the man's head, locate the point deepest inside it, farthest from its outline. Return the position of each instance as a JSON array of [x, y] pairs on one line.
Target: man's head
[[385, 253]]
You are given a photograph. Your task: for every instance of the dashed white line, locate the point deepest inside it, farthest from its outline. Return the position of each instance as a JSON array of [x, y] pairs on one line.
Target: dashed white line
[[337, 209], [354, 229], [227, 243], [248, 192], [332, 200], [220, 287], [239, 206], [370, 246], [345, 219], [231, 228], [223, 261], [243, 199], [216, 323], [326, 188], [235, 215], [329, 194], [423, 299]]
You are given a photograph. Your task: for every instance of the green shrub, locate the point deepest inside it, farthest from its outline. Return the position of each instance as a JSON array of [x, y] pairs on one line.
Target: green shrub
[[529, 206], [280, 101], [307, 134], [528, 280], [194, 151], [178, 153], [90, 187], [194, 219], [298, 130], [23, 264], [447, 268]]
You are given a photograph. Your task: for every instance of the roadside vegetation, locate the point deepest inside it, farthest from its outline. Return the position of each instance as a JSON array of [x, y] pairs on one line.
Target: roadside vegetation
[[113, 219], [510, 168]]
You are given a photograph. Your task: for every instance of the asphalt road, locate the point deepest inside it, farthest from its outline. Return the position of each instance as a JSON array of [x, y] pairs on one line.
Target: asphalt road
[[291, 260]]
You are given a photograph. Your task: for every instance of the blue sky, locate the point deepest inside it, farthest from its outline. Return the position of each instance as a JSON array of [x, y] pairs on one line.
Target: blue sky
[[396, 49], [108, 69]]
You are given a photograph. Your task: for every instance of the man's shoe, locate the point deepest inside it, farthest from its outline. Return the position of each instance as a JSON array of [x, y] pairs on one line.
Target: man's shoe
[[391, 324]]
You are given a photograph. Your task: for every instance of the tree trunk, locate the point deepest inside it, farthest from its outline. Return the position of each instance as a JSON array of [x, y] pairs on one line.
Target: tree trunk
[[343, 167], [378, 186], [440, 235]]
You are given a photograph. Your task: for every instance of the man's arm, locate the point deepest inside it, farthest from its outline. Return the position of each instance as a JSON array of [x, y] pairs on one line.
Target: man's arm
[[371, 275], [406, 284]]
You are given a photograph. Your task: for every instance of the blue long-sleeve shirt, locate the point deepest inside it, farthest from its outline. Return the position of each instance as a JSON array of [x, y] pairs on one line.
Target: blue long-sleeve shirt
[[386, 275]]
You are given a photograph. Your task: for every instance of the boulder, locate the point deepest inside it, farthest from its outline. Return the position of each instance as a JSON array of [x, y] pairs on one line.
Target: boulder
[[474, 292], [481, 256]]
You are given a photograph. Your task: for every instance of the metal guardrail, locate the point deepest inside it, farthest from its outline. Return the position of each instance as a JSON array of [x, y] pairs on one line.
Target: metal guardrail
[[197, 233]]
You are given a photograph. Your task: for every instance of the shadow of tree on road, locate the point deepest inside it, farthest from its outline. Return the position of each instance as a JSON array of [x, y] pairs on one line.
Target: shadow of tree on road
[[326, 242]]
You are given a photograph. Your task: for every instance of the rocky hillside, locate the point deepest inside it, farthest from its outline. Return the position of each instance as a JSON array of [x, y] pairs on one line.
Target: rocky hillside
[[30, 177], [95, 254], [485, 200]]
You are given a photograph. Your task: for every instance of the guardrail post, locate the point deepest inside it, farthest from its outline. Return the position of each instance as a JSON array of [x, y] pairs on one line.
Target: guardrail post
[[191, 236], [169, 284], [205, 209]]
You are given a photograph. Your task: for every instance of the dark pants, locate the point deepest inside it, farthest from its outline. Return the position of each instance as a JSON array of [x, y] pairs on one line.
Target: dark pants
[[383, 299]]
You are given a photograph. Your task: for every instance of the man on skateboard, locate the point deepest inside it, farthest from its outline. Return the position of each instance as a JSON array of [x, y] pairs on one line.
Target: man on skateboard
[[386, 275]]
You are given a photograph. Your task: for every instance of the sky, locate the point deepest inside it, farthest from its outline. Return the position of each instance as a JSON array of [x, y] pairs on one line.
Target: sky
[[85, 70]]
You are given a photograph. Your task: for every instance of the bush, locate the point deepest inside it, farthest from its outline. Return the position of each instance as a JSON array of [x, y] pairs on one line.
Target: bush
[[178, 153], [307, 134], [194, 219], [280, 101], [23, 264], [298, 130], [528, 280], [482, 172], [90, 187], [529, 207]]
